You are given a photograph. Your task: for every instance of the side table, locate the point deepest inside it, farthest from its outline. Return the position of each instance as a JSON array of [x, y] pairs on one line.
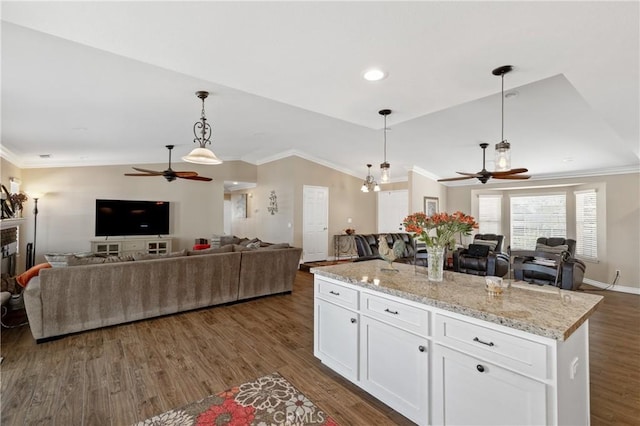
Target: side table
[[344, 245]]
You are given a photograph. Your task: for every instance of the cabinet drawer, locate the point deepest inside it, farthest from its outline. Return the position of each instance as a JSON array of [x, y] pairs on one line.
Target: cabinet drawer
[[133, 246], [338, 294], [400, 314], [504, 349]]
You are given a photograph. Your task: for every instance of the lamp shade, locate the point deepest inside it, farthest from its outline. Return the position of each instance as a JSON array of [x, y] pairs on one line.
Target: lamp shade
[[202, 156], [503, 156]]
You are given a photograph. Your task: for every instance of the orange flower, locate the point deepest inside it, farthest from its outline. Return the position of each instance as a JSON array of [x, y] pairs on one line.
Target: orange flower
[[446, 227]]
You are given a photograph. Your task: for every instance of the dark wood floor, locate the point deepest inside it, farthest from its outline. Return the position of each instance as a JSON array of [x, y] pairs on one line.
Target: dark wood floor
[[123, 374]]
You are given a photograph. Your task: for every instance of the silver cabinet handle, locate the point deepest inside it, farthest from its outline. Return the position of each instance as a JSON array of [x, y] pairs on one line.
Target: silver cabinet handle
[[475, 339], [391, 312]]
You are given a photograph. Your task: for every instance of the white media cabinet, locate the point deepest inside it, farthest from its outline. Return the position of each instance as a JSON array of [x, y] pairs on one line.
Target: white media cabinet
[[450, 354], [120, 246]]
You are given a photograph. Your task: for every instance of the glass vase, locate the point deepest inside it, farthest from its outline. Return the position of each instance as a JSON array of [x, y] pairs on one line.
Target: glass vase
[[435, 263]]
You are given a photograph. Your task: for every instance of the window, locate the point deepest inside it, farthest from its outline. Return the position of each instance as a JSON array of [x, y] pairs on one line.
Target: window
[[537, 216], [489, 214], [586, 224]]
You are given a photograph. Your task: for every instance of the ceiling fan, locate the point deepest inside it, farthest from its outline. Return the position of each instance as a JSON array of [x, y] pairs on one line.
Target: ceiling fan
[[484, 175], [169, 174]]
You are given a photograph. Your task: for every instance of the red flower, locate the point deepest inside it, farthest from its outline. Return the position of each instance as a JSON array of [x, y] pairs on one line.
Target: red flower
[[230, 412]]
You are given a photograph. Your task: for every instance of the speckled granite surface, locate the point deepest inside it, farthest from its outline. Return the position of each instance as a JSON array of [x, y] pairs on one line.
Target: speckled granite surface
[[544, 311]]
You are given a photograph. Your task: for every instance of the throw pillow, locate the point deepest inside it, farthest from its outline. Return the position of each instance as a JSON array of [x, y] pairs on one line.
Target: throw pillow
[[58, 260], [478, 250], [146, 256], [559, 249], [238, 247], [276, 246], [253, 245], [24, 278], [490, 243], [224, 249]]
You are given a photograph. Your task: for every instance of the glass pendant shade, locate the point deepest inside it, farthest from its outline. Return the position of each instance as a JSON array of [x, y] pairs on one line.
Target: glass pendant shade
[[503, 156], [202, 156], [385, 174], [202, 133]]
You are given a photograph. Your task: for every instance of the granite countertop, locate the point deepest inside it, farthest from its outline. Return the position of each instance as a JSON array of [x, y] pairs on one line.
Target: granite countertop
[[542, 310]]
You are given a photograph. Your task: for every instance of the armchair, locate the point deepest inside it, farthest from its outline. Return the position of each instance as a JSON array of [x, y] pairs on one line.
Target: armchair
[[483, 257], [566, 272]]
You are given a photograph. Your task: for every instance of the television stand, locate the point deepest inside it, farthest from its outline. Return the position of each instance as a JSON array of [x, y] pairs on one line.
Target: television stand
[[120, 246]]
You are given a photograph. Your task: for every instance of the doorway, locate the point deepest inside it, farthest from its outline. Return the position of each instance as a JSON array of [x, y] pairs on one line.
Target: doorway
[[315, 226]]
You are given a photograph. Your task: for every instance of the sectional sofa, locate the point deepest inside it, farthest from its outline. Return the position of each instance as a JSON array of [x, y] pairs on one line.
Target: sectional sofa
[[63, 300]]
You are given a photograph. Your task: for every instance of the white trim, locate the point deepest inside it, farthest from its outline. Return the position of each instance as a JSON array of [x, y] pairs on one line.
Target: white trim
[[619, 288]]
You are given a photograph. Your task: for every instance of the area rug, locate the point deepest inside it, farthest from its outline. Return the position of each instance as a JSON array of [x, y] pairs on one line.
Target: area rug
[[269, 400]]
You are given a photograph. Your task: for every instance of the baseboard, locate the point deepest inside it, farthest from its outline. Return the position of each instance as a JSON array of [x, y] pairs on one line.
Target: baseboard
[[619, 288]]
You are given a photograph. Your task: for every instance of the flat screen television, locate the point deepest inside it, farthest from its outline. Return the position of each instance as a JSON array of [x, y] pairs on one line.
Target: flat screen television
[[129, 217]]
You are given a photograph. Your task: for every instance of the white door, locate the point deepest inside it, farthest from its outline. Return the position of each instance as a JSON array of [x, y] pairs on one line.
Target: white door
[[315, 228], [393, 207]]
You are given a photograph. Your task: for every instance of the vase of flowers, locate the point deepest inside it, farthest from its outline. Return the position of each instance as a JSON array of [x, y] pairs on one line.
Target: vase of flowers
[[17, 200], [446, 227]]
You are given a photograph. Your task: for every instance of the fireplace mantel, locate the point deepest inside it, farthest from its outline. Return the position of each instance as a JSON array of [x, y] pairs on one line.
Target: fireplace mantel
[[11, 223]]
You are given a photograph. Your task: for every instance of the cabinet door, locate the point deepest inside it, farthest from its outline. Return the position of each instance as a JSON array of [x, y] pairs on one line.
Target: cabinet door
[[336, 338], [469, 391], [107, 248], [395, 368]]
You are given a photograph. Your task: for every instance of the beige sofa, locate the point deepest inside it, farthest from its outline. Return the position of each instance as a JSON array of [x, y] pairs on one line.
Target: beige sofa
[[75, 298]]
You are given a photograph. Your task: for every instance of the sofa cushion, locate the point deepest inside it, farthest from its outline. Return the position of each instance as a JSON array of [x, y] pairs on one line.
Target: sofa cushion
[[98, 259], [146, 256], [58, 260], [224, 249], [275, 246]]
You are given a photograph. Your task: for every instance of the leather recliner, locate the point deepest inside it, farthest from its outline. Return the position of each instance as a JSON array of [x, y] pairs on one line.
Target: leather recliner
[[494, 263], [367, 246], [571, 270]]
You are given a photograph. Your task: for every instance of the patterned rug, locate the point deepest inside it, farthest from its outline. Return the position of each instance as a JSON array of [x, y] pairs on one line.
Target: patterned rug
[[269, 400]]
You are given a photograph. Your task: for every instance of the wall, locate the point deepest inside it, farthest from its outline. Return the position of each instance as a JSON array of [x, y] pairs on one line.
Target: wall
[[66, 210], [288, 177], [420, 187], [619, 247]]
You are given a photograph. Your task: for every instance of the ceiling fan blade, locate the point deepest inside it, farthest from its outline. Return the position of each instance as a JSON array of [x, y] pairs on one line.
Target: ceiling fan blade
[[185, 174], [202, 178], [141, 174], [470, 174], [456, 178], [512, 177], [147, 171], [510, 172]]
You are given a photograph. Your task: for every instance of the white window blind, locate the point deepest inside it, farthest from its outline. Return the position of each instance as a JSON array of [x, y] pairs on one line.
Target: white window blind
[[586, 224], [537, 216], [489, 214]]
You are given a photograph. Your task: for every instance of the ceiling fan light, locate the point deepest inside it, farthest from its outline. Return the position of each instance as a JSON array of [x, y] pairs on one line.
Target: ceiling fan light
[[503, 156], [202, 156]]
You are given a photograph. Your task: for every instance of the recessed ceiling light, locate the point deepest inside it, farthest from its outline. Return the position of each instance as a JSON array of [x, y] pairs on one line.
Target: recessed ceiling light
[[374, 74]]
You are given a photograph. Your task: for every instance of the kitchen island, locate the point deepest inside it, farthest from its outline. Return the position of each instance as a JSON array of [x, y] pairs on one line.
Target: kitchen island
[[450, 353]]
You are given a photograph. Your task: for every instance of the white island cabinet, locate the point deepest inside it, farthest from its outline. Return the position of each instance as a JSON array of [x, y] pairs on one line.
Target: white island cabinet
[[448, 353]]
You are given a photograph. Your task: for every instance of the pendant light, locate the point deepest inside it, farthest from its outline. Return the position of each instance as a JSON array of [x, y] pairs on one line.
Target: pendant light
[[503, 148], [202, 132], [369, 183], [385, 175]]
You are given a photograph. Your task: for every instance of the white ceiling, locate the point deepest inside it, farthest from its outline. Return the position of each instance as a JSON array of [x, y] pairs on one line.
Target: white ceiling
[[97, 83]]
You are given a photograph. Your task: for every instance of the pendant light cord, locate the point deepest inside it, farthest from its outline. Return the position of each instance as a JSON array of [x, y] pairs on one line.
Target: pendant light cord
[[502, 95], [385, 138]]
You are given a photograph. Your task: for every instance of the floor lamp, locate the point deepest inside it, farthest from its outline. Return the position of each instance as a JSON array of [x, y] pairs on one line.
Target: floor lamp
[[32, 261]]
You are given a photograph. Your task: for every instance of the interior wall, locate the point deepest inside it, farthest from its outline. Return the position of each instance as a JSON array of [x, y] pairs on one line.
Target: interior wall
[[289, 175], [66, 218], [619, 245], [421, 186]]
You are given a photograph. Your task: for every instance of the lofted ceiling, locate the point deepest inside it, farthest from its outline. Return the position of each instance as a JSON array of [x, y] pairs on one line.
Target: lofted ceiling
[[99, 83]]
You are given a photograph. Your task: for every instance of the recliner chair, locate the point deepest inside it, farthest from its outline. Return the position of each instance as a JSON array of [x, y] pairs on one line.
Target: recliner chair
[[568, 275], [483, 257]]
